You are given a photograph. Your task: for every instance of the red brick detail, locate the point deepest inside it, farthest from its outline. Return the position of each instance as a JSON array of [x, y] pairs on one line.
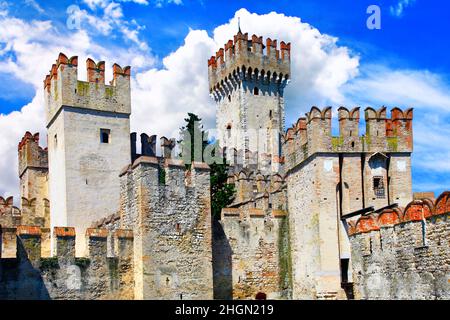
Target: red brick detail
[[388, 217], [279, 213], [97, 233], [124, 234], [442, 203], [29, 230], [253, 212], [418, 210], [64, 232], [366, 224]]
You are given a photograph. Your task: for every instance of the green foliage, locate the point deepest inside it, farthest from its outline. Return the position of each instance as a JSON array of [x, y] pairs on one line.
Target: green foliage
[[222, 193], [188, 134], [49, 263]]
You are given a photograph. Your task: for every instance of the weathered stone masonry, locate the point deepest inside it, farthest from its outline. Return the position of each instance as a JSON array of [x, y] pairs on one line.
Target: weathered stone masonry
[[28, 275], [403, 254], [171, 220]]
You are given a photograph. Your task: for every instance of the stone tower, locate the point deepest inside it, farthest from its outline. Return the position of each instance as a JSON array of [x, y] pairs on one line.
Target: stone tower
[[88, 141], [33, 175], [331, 177], [247, 80]]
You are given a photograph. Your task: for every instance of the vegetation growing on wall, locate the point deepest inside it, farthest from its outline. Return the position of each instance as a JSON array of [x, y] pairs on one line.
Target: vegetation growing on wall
[[222, 193]]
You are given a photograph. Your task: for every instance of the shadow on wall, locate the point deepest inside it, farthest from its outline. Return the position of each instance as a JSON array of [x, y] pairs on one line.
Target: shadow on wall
[[222, 268], [19, 279]]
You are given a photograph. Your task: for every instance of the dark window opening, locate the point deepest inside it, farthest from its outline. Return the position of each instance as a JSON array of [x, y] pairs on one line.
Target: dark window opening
[[270, 206], [256, 91], [353, 144], [104, 135], [177, 227], [229, 98], [378, 187], [56, 140], [344, 270], [261, 296], [181, 296], [351, 133], [270, 114]]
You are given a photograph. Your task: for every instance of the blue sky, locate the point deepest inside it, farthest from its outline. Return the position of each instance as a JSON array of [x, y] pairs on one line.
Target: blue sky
[[404, 64]]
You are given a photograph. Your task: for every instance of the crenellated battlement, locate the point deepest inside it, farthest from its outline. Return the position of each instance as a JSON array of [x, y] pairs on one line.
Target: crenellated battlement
[[63, 275], [64, 247], [169, 209], [313, 133], [28, 213], [417, 210], [31, 154], [250, 60], [62, 87], [402, 253]]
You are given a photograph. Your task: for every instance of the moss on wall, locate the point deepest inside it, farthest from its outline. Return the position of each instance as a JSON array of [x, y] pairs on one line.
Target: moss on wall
[[337, 142], [392, 143], [284, 259], [82, 88], [49, 263]]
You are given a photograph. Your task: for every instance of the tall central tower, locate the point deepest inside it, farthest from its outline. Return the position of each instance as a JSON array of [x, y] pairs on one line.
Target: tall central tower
[[88, 142], [247, 80]]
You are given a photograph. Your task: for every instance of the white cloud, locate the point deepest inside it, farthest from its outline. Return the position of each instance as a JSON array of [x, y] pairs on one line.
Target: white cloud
[[323, 73], [35, 5], [428, 93], [399, 8], [107, 16], [28, 49]]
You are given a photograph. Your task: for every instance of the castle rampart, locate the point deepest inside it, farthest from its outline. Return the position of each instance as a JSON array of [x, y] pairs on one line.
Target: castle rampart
[[312, 134], [169, 209], [63, 88], [403, 253], [246, 59], [30, 275]]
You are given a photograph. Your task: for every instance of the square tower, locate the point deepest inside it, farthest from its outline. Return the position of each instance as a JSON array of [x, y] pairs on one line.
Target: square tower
[[247, 81], [88, 141]]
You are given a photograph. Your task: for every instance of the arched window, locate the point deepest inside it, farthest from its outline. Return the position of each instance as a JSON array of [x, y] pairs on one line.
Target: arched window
[[229, 130], [256, 91]]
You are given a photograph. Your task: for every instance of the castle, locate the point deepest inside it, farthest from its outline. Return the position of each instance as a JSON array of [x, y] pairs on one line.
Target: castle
[[315, 216]]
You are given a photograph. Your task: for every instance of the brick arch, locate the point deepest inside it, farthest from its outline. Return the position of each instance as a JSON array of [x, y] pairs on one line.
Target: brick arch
[[442, 204], [389, 217], [418, 210], [366, 224]]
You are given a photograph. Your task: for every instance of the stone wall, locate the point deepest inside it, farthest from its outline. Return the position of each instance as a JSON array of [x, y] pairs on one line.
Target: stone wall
[[169, 210], [403, 254], [29, 275], [253, 256]]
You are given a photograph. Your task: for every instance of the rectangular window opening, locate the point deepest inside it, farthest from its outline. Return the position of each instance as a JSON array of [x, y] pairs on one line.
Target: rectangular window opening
[[105, 135], [378, 187]]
